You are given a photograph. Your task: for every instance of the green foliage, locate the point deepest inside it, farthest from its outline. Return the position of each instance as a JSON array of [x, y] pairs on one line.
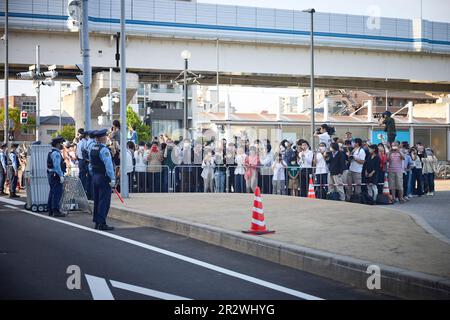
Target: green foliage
[[14, 115], [67, 132], [143, 130]]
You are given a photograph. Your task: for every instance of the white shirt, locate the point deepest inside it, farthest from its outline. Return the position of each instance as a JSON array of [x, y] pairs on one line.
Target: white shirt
[[321, 165], [305, 159], [129, 162], [278, 170], [140, 162], [240, 160], [325, 138], [357, 155]]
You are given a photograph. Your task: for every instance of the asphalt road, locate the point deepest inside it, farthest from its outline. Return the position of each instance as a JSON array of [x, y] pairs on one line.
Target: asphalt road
[[139, 263], [435, 210]]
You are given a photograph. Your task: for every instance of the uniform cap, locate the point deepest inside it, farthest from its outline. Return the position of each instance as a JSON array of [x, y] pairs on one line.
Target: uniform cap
[[101, 133]]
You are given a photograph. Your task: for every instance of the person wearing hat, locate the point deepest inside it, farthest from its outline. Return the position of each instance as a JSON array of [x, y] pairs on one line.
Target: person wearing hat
[[82, 164], [55, 172], [86, 152], [388, 124], [103, 179], [13, 170], [3, 168]]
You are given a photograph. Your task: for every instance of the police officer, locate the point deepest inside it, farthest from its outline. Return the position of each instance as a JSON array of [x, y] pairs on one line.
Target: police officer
[[3, 168], [55, 172], [86, 156], [102, 169], [82, 163], [13, 170]]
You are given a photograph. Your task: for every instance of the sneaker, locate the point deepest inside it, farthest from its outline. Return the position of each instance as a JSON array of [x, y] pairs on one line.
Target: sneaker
[[428, 193], [406, 198], [431, 193]]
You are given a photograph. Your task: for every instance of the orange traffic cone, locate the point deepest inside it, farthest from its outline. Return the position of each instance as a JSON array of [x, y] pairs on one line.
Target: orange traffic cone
[[258, 225], [311, 193], [386, 191]]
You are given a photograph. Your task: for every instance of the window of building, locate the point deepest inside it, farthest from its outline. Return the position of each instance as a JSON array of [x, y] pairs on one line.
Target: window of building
[[27, 131], [51, 132], [29, 106], [436, 139], [165, 126]]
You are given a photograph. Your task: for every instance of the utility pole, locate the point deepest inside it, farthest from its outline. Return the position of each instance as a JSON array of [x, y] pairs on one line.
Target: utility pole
[[86, 66], [313, 122], [38, 93], [6, 127], [123, 105]]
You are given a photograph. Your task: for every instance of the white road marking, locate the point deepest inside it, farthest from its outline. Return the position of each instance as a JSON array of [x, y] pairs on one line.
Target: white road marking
[[11, 207], [200, 263], [145, 291], [12, 201], [99, 288]]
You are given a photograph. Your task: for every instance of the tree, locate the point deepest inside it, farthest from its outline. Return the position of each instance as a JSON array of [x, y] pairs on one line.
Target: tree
[[14, 115], [143, 130], [67, 132]]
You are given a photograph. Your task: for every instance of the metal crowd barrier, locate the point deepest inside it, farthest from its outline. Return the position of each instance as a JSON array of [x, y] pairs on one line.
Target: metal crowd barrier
[[152, 178]]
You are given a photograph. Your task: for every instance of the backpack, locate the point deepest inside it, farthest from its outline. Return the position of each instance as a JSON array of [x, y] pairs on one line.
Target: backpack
[[383, 199], [367, 199], [334, 196], [356, 198]]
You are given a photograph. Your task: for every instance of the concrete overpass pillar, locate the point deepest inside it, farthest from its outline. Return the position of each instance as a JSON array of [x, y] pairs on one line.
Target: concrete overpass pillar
[[410, 112], [369, 110], [325, 109]]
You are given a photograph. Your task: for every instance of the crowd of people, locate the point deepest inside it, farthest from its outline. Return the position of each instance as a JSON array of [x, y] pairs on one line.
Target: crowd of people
[[344, 168]]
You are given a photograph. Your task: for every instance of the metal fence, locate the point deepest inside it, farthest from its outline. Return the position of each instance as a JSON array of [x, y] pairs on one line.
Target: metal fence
[[239, 179]]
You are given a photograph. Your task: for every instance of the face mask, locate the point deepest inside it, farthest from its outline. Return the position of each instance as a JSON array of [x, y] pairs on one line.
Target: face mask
[[154, 148], [340, 145], [332, 150], [394, 148], [141, 148], [322, 149]]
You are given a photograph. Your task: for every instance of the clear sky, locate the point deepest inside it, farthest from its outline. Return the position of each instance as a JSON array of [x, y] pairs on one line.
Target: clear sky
[[263, 98]]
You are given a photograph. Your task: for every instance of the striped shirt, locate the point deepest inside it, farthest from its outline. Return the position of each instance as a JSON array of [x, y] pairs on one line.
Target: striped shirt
[[395, 162]]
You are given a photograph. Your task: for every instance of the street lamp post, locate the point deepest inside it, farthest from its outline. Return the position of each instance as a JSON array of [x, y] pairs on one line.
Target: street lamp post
[[313, 121], [123, 105], [6, 132], [185, 55]]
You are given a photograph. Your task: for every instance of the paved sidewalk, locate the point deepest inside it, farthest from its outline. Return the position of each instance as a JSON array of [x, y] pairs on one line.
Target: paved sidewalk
[[373, 233]]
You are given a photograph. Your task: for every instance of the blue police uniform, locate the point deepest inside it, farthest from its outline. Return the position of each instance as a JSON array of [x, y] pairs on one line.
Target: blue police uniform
[[55, 173], [13, 169], [86, 152], [3, 169], [82, 163], [102, 170]]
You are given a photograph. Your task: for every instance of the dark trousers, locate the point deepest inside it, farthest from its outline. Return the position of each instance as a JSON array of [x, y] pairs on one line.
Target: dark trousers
[[239, 183], [230, 180], [417, 182], [55, 194], [141, 181], [429, 182], [153, 182], [304, 181], [266, 183], [12, 181], [102, 198], [380, 181], [83, 173], [2, 180], [186, 180], [322, 190], [89, 186]]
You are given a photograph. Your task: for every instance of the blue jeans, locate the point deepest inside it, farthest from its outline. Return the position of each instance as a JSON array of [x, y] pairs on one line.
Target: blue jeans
[[220, 181], [55, 194]]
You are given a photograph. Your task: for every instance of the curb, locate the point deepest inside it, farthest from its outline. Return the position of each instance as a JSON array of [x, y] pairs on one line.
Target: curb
[[394, 281]]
